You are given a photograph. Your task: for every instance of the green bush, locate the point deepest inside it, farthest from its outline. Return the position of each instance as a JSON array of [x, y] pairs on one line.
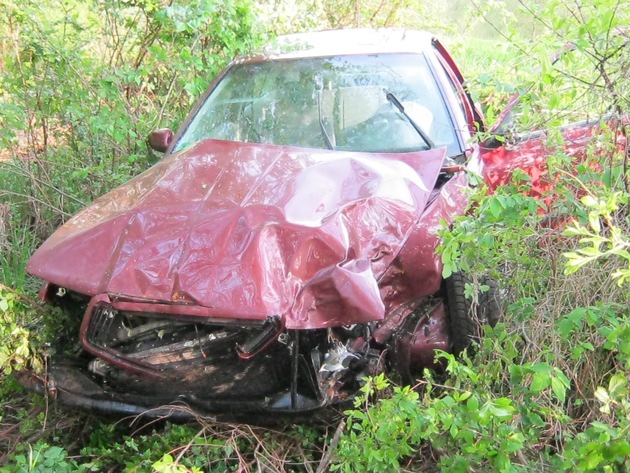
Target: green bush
[[42, 458], [17, 348]]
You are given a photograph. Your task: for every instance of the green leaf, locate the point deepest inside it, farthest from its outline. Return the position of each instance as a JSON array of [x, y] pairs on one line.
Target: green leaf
[[617, 386], [540, 382], [473, 403], [589, 201], [495, 208], [559, 389], [463, 396], [602, 395]]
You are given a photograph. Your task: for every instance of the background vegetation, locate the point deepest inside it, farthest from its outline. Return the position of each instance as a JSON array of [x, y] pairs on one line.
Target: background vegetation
[[81, 85]]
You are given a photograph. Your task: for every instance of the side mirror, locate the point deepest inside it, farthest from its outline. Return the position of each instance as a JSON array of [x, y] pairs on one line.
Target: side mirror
[[160, 139]]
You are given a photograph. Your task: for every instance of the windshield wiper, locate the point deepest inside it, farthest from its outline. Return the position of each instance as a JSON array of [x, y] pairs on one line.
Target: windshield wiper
[[329, 142], [396, 103]]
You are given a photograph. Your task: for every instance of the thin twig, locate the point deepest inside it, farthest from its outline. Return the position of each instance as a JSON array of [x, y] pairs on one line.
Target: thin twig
[[326, 459]]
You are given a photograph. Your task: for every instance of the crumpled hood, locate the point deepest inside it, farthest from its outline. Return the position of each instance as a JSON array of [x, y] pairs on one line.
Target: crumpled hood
[[250, 230]]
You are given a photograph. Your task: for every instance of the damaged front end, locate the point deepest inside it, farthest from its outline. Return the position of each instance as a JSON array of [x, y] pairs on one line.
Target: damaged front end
[[181, 365], [268, 292]]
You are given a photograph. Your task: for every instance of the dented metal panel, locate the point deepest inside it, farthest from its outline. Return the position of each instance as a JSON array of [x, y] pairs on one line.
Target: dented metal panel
[[530, 153], [249, 231]]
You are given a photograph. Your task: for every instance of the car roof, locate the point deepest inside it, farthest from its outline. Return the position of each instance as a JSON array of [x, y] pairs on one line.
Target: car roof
[[342, 43]]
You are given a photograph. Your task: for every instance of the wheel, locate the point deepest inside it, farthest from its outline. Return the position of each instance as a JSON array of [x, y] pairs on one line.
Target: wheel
[[467, 317]]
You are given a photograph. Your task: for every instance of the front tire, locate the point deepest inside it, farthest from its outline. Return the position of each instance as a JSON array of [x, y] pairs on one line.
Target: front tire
[[466, 316]]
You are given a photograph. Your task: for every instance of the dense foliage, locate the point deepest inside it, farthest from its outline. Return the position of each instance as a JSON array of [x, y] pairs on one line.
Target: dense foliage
[[83, 83]]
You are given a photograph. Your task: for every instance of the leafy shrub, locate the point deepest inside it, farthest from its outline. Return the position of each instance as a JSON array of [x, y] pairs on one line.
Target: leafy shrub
[[480, 417], [17, 350], [80, 94], [42, 458]]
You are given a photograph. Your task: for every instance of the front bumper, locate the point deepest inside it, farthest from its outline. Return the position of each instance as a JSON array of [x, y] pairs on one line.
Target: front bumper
[[74, 387]]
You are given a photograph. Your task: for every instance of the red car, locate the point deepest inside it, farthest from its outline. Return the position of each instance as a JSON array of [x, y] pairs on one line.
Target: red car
[[284, 246]]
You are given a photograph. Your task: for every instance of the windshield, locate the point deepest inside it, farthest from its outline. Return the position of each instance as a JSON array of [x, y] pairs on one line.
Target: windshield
[[332, 103]]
